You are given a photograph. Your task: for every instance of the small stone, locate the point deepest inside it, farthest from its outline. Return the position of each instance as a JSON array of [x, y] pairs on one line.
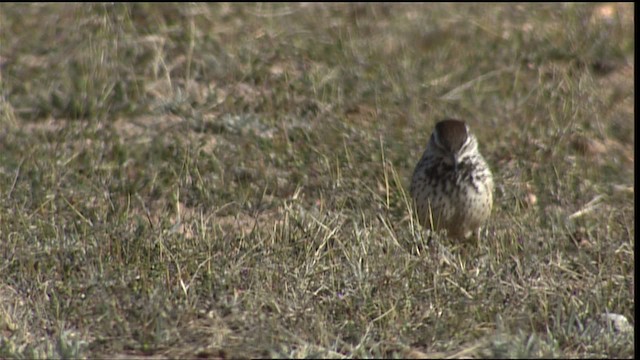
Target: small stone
[[617, 322], [608, 323]]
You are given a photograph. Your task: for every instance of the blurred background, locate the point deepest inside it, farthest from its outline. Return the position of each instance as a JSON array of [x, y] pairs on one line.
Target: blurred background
[[229, 180]]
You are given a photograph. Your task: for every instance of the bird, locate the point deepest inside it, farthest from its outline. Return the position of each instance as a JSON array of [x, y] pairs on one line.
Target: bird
[[452, 185]]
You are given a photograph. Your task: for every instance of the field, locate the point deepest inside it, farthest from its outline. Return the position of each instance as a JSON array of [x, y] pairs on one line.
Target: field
[[231, 181]]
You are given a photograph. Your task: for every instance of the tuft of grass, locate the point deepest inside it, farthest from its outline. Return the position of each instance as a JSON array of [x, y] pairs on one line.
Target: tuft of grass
[[228, 180]]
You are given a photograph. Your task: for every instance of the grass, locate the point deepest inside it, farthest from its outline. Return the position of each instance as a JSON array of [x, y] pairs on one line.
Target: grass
[[225, 180]]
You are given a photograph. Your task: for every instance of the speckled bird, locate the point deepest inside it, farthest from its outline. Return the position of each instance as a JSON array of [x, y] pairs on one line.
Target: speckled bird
[[452, 185]]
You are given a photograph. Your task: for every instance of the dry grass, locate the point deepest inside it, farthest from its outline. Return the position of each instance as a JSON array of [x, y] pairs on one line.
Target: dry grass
[[223, 181]]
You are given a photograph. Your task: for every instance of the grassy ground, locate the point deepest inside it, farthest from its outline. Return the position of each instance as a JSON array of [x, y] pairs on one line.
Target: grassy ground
[[222, 181]]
